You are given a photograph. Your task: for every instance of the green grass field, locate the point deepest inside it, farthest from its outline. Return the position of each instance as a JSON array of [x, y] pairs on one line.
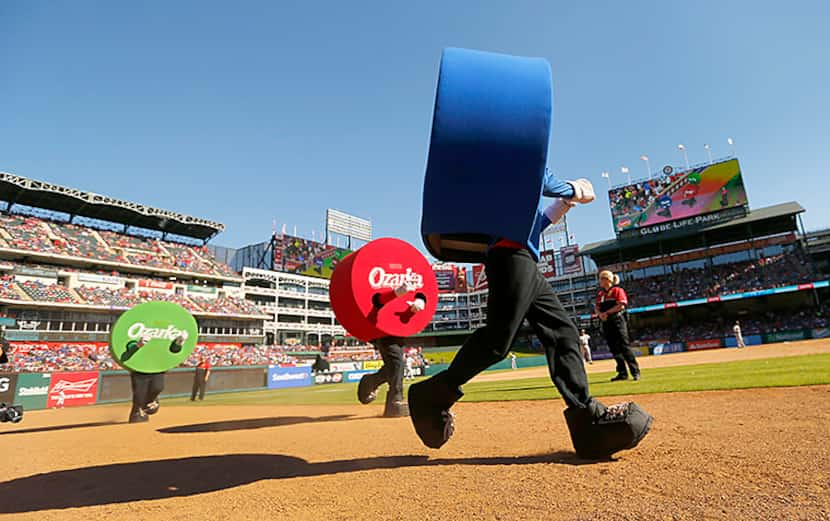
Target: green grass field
[[445, 357], [774, 372]]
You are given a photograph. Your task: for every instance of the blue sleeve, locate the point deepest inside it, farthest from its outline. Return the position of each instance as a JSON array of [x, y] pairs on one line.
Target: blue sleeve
[[554, 187], [545, 222]]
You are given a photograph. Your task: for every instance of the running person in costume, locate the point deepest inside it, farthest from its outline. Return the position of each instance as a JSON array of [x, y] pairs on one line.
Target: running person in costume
[[392, 371], [490, 136], [517, 291], [146, 387]]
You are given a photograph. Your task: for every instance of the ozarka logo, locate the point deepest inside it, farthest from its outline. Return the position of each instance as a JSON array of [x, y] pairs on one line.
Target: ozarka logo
[[378, 278], [139, 330]]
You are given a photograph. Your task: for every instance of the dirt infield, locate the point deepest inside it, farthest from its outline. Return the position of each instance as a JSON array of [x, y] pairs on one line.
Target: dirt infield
[[749, 454]]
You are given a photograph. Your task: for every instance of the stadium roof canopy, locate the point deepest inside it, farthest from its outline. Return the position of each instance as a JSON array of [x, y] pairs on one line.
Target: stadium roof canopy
[[763, 222], [39, 194]]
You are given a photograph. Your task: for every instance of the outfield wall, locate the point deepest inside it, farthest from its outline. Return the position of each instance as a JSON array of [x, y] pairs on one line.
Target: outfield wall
[[68, 389]]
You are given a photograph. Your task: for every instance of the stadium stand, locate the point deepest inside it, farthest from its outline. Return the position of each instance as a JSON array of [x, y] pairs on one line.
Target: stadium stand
[[36, 234], [26, 233], [767, 272], [47, 292], [84, 242], [7, 288], [68, 357], [105, 297], [765, 322]]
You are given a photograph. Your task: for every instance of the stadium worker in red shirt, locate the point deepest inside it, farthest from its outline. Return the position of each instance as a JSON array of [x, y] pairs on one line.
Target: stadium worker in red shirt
[[610, 307], [200, 379]]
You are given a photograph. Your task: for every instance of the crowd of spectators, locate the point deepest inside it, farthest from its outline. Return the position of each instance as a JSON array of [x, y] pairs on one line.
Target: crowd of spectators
[[721, 327], [635, 198], [41, 292], [26, 233], [119, 298], [724, 279], [30, 233], [68, 357], [223, 356], [80, 241], [116, 297], [225, 305], [96, 357], [7, 287]]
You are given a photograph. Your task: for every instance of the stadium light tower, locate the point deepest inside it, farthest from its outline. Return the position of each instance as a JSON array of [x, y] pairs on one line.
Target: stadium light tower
[[648, 165], [682, 148], [624, 170], [709, 152], [731, 143], [607, 177]]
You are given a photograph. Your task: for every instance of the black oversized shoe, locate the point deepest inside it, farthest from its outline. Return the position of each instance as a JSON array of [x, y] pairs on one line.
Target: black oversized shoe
[[151, 408], [396, 409], [139, 417], [429, 408], [619, 377], [396, 406], [598, 436], [367, 389]]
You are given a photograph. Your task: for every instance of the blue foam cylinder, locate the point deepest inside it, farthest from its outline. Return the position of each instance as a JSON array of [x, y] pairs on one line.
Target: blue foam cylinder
[[487, 154]]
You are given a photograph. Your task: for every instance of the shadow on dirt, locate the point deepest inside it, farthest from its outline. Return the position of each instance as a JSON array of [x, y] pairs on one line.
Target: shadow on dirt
[[149, 480], [253, 423], [59, 427]]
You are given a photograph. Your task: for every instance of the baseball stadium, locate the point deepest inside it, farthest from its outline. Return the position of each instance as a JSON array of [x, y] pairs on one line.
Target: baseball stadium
[[496, 368]]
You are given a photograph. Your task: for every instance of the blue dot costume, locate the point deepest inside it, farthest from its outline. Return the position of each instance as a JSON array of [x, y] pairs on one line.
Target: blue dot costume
[[490, 134]]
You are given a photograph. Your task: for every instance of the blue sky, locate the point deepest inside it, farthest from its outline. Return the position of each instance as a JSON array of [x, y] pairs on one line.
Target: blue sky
[[245, 112]]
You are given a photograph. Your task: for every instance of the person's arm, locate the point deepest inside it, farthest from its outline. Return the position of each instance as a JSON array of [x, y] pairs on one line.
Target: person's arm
[[622, 301], [615, 309], [552, 186], [579, 191], [554, 212]]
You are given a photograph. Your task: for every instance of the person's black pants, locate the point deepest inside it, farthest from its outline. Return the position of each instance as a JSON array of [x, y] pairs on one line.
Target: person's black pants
[[392, 371], [199, 384], [146, 388], [518, 291], [615, 330]]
